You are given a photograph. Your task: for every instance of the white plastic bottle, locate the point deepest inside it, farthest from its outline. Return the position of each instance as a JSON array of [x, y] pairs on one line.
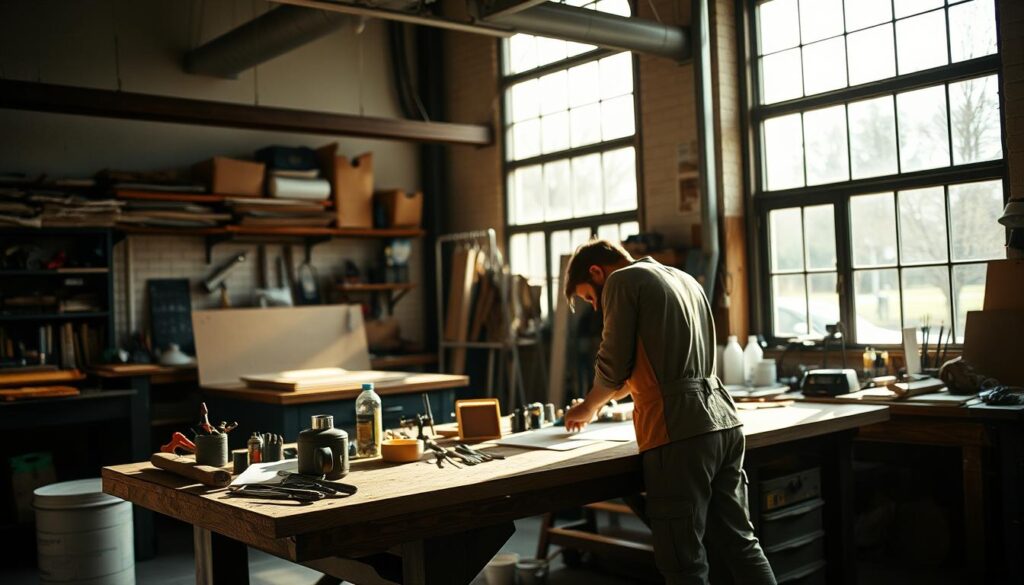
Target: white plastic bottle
[[732, 362], [752, 354], [369, 427]]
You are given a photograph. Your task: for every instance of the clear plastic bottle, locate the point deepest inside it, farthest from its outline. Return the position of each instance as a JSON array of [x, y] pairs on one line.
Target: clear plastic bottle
[[368, 423], [752, 355]]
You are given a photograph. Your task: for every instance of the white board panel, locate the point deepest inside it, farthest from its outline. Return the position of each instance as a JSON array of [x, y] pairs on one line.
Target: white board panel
[[231, 343]]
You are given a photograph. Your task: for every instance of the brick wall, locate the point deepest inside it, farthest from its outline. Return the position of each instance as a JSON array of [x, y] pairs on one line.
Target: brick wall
[[477, 197], [668, 122], [177, 257]]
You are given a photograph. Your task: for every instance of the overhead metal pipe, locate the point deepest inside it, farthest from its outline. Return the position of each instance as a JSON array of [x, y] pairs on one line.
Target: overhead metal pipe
[[706, 146], [599, 28], [275, 33]]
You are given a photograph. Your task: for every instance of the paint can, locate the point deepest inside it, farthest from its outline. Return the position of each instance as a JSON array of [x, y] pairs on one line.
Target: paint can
[[83, 535]]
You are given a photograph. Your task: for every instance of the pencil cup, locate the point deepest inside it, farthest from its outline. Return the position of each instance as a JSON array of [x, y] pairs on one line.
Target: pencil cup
[[212, 450]]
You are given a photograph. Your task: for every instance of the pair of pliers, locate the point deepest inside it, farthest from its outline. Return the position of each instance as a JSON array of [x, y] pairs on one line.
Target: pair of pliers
[[309, 482], [275, 492], [442, 454]]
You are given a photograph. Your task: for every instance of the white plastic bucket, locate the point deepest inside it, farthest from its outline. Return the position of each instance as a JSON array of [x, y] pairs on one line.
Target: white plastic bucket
[[83, 535]]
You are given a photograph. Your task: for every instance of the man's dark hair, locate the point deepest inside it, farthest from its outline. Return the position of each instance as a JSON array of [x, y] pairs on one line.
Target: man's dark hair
[[593, 253]]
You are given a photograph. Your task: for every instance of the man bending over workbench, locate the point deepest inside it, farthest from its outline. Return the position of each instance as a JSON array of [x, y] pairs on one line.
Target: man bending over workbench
[[658, 345]]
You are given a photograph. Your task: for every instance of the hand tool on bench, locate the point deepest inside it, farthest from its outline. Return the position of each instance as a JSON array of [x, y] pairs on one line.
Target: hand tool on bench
[[187, 468], [178, 441], [274, 492]]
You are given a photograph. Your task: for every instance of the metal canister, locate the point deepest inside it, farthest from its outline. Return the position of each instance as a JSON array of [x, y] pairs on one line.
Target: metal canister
[[255, 447], [549, 412], [518, 421]]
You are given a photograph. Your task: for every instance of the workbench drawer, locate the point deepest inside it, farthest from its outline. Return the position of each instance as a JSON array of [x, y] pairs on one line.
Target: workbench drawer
[[790, 489], [813, 574], [791, 523], [789, 557]]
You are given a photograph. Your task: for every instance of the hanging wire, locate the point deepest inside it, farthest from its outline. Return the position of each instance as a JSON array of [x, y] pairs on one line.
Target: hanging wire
[[654, 10]]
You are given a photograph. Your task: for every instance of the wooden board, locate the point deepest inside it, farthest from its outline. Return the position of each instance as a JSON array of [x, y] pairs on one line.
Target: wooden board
[[231, 343], [48, 377], [409, 384], [30, 392], [460, 295], [407, 502], [320, 379]]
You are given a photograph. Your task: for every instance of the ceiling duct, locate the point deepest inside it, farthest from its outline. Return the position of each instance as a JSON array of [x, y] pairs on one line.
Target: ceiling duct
[[275, 33], [599, 28]]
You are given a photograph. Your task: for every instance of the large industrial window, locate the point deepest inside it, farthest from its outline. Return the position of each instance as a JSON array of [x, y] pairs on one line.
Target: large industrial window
[[879, 171], [570, 149]]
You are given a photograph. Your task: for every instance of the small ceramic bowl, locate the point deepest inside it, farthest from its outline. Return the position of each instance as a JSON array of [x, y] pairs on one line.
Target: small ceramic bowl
[[401, 450]]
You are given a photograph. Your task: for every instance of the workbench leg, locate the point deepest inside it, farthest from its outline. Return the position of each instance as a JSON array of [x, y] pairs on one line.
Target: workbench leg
[[453, 559], [1011, 471], [543, 541], [838, 494], [974, 507], [219, 560], [143, 519]]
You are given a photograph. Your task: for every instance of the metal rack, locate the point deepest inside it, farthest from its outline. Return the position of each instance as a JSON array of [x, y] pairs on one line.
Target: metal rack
[[504, 366]]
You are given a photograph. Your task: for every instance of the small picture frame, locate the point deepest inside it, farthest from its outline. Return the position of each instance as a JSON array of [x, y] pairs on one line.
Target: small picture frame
[[479, 419]]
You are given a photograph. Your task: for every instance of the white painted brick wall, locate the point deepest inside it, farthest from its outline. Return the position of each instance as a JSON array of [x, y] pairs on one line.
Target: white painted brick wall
[[185, 257]]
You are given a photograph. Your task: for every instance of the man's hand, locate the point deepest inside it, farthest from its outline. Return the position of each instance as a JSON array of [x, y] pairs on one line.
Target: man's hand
[[579, 416]]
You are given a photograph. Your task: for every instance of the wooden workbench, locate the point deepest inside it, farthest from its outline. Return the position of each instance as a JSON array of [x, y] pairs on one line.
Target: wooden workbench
[[990, 440], [417, 523]]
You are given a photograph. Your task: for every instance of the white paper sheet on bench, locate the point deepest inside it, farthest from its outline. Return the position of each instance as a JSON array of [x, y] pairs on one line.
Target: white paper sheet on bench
[[557, 439], [620, 432], [551, 438]]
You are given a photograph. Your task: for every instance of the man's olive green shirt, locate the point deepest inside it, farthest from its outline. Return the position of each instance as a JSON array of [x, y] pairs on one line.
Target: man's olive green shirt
[[659, 336]]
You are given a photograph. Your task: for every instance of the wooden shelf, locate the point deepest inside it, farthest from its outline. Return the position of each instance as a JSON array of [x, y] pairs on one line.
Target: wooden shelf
[[141, 230], [393, 291], [374, 286], [54, 316], [45, 97], [168, 196], [173, 196], [301, 232], [59, 271]]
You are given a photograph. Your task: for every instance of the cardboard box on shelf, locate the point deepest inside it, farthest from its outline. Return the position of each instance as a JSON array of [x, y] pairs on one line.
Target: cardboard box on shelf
[[352, 185], [229, 176], [401, 209]]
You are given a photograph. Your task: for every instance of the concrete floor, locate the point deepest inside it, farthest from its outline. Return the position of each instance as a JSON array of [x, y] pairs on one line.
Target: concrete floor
[[174, 565]]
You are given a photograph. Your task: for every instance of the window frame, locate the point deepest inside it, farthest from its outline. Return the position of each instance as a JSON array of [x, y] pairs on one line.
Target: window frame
[[760, 202], [593, 222]]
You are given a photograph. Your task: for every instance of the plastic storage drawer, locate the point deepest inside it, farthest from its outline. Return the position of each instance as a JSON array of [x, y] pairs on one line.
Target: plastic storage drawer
[[790, 489], [791, 523], [813, 574], [791, 556]]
